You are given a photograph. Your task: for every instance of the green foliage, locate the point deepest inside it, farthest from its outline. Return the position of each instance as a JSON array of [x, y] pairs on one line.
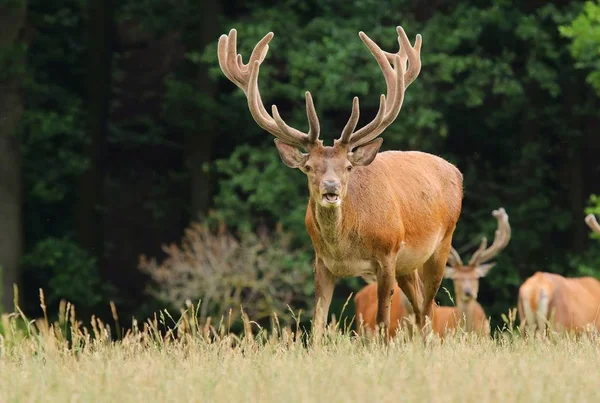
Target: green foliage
[[8, 4], [584, 32], [255, 187], [50, 142], [52, 134], [70, 272], [11, 62], [594, 205]]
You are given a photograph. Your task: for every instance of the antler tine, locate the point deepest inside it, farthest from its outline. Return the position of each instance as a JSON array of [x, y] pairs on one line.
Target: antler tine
[[482, 246], [313, 120], [501, 239], [352, 122], [591, 221], [454, 259], [398, 76], [413, 57], [274, 125], [245, 76]]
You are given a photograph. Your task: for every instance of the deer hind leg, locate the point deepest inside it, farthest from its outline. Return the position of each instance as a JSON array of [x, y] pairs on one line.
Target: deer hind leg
[[433, 274], [410, 284]]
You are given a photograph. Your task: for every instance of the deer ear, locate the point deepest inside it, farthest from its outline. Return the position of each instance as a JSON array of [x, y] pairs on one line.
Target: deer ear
[[449, 272], [365, 154], [483, 269], [290, 155]]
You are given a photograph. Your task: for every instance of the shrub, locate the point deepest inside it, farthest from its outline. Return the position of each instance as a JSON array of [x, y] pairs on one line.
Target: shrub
[[258, 272], [70, 272]]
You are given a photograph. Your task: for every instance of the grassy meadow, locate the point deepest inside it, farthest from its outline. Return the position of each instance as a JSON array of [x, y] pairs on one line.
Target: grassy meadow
[[69, 361]]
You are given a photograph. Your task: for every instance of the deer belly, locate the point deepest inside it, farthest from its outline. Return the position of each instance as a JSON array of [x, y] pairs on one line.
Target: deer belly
[[349, 268], [412, 256], [409, 259]]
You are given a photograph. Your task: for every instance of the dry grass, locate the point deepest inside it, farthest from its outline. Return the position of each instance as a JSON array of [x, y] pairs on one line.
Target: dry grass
[[202, 364]]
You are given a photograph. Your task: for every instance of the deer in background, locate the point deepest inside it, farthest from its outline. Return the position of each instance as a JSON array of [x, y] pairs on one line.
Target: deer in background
[[466, 288], [388, 214], [569, 304]]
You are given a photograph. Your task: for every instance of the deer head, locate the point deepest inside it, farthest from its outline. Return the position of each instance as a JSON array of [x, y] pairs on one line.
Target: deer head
[[327, 167], [466, 277], [591, 221]]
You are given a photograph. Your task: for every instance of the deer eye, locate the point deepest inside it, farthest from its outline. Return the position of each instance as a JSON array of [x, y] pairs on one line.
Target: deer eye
[[307, 168], [349, 168]]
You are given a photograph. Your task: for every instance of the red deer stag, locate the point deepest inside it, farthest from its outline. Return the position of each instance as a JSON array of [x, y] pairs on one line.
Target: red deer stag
[[466, 287], [387, 214], [569, 304], [466, 281]]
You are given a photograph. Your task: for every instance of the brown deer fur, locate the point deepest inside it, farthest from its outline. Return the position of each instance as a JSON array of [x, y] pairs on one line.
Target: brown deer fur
[[444, 318], [387, 214], [466, 288], [365, 302], [570, 304], [368, 235]]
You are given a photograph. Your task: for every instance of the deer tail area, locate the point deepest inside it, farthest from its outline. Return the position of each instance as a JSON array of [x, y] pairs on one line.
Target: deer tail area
[[536, 304]]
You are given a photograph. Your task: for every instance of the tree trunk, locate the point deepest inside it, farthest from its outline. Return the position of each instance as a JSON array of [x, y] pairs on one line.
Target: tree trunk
[[12, 59], [198, 146], [99, 58]]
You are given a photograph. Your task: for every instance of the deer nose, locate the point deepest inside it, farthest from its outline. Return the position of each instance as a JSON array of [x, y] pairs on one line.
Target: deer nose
[[468, 293], [331, 186]]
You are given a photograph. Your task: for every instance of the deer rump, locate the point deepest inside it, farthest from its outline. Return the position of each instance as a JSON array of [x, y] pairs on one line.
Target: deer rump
[[570, 304]]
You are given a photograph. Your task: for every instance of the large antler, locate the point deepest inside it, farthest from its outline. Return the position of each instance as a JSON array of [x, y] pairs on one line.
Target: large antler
[[591, 221], [245, 76], [484, 254], [454, 259], [501, 238], [397, 79]]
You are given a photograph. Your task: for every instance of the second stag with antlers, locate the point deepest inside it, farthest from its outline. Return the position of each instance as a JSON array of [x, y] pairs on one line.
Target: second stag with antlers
[[466, 281], [387, 214]]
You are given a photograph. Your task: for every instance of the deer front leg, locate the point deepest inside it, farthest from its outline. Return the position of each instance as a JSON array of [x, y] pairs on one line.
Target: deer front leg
[[324, 285], [385, 291]]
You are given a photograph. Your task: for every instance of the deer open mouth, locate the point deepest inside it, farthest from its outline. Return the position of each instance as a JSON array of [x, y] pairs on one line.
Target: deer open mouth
[[331, 198]]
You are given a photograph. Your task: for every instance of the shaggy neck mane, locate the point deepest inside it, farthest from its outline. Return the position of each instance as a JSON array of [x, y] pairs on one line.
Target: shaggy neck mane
[[330, 221]]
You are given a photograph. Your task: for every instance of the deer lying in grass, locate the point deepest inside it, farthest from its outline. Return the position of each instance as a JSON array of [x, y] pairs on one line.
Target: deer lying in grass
[[466, 287], [388, 214], [568, 304]]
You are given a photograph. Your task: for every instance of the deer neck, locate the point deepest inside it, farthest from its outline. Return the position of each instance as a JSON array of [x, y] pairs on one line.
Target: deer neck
[[333, 224], [466, 310], [329, 221]]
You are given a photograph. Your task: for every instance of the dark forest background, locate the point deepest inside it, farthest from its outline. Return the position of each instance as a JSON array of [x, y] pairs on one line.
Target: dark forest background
[[131, 170]]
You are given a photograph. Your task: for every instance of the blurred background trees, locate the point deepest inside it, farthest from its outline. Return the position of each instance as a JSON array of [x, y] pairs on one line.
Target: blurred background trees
[[128, 133]]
